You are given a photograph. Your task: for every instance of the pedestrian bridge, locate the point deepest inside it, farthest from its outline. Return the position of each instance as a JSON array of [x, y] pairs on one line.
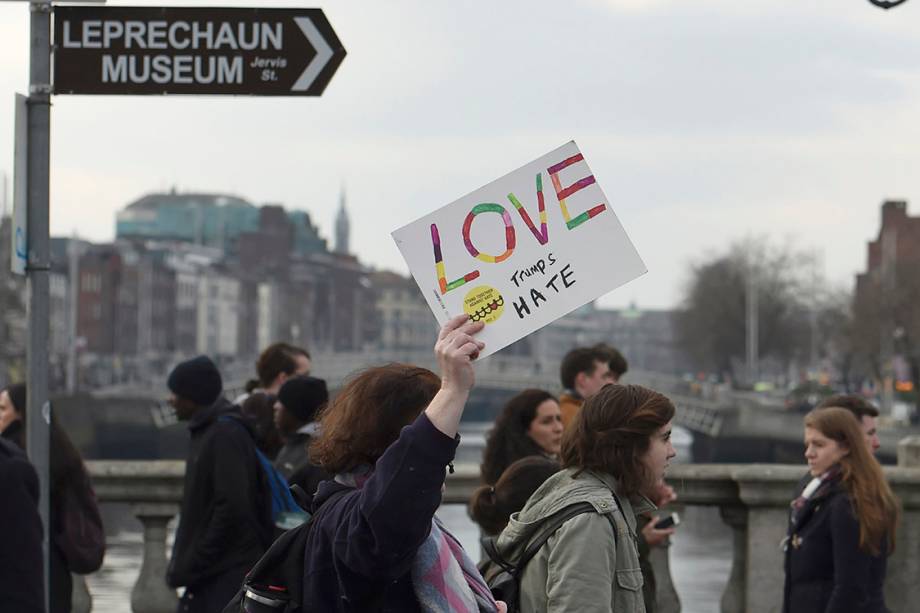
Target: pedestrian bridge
[[752, 499]]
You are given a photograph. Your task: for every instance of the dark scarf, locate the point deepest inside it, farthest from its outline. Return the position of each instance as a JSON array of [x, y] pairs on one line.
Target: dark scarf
[[811, 496]]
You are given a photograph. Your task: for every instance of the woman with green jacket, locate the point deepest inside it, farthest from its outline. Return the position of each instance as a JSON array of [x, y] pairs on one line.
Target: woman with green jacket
[[614, 454]]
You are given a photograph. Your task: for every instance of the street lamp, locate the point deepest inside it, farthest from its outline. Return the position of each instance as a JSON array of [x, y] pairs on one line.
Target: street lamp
[[887, 4]]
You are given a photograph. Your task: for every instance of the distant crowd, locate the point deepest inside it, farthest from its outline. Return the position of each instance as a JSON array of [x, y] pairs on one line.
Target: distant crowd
[[295, 502]]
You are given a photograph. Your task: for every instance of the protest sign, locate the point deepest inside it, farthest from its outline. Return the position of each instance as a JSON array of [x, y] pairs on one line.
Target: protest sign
[[521, 251]]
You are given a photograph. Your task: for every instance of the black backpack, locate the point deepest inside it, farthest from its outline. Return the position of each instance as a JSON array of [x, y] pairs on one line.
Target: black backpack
[[505, 581], [275, 582]]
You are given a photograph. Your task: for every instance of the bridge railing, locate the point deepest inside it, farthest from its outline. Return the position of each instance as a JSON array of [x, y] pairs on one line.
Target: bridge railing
[[753, 501]]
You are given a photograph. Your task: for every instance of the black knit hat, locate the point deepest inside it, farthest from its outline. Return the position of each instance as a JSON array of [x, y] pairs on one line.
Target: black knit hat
[[303, 396], [197, 380]]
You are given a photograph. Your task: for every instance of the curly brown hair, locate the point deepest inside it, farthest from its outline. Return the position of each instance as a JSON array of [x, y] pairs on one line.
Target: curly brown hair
[[612, 432], [367, 415]]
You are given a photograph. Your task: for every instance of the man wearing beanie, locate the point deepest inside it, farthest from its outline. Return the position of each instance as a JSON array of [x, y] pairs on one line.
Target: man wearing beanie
[[225, 521], [298, 401]]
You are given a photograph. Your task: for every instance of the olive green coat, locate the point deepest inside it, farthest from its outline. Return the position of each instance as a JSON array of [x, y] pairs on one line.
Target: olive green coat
[[582, 567]]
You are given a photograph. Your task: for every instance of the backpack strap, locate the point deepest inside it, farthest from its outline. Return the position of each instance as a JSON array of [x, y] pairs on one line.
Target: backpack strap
[[546, 530]]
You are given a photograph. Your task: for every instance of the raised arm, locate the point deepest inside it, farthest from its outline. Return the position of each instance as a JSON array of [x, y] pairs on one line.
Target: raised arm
[[456, 349], [393, 513]]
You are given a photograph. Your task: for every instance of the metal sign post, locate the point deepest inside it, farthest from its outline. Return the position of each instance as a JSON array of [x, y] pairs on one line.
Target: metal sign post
[[145, 50], [38, 431], [140, 50]]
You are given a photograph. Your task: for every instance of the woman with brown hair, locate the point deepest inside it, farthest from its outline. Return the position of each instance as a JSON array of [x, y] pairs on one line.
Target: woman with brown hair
[[388, 437], [530, 424], [491, 505], [614, 453], [842, 525]]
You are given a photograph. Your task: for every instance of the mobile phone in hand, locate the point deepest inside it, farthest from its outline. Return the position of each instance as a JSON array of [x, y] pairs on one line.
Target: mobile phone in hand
[[671, 520]]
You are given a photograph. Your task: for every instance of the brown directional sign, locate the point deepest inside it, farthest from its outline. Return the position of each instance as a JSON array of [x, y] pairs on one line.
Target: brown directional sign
[[165, 50]]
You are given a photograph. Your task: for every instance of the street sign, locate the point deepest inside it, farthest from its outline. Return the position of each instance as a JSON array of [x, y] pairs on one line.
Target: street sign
[[18, 253], [166, 50]]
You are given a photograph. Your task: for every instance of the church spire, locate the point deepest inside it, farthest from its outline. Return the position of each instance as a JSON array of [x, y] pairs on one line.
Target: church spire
[[342, 226]]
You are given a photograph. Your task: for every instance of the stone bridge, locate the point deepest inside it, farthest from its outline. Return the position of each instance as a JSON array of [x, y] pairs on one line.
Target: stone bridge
[[752, 499]]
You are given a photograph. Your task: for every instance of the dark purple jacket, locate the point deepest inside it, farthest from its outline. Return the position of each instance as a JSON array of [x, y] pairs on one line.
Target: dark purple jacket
[[360, 550]]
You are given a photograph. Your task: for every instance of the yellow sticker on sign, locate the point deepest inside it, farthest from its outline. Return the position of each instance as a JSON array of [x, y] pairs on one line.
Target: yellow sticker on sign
[[484, 303]]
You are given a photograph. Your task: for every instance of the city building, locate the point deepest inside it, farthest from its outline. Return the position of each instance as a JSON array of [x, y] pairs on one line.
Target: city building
[[213, 220], [342, 227], [404, 321], [886, 316]]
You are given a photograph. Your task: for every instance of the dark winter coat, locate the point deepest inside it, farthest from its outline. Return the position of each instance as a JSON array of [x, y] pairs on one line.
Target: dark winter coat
[[225, 518], [15, 432], [21, 584], [293, 462], [360, 550], [826, 571]]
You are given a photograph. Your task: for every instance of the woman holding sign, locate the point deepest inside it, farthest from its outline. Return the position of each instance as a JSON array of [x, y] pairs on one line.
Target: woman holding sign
[[375, 544]]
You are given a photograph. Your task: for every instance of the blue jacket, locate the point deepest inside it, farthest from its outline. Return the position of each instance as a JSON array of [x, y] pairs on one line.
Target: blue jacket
[[826, 571], [360, 550]]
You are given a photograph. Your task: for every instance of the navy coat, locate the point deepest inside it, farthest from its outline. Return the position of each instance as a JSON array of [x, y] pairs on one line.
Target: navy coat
[[360, 549], [826, 571]]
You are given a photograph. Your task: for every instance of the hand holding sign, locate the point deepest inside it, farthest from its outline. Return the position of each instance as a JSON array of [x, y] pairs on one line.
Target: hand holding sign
[[578, 252]]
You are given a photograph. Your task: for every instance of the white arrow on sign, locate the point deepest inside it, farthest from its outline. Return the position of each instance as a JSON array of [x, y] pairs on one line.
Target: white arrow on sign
[[319, 61]]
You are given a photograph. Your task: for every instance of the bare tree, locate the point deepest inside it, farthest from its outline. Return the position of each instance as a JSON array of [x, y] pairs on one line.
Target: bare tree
[[711, 323], [836, 332]]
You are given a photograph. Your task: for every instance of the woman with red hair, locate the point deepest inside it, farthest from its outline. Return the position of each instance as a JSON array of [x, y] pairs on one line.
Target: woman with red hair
[[842, 525]]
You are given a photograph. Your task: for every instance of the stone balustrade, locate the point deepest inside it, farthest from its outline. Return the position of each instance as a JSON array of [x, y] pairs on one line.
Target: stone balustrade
[[753, 501]]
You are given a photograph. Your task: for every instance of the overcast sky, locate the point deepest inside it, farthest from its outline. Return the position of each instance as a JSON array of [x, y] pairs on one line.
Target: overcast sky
[[704, 122]]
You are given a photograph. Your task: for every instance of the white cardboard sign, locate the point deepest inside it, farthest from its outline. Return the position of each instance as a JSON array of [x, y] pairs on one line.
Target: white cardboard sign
[[523, 250]]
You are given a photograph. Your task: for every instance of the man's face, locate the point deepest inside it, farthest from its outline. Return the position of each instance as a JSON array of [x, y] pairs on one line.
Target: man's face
[[184, 408], [286, 423], [303, 364], [870, 433], [611, 376], [588, 384]]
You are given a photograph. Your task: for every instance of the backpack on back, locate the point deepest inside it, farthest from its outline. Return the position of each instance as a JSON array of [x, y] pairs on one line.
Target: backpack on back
[[275, 582], [285, 512], [505, 580]]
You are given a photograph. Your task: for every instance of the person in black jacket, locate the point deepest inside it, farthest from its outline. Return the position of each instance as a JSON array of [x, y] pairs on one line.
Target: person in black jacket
[[225, 522], [77, 536], [295, 411], [22, 575], [842, 525]]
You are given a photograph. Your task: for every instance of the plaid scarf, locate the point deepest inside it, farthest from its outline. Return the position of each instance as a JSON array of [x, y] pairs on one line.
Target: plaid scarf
[[444, 578], [816, 490]]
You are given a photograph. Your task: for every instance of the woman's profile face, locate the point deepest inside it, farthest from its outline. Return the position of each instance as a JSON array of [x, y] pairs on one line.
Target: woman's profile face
[[821, 452], [546, 427], [659, 454], [8, 413]]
